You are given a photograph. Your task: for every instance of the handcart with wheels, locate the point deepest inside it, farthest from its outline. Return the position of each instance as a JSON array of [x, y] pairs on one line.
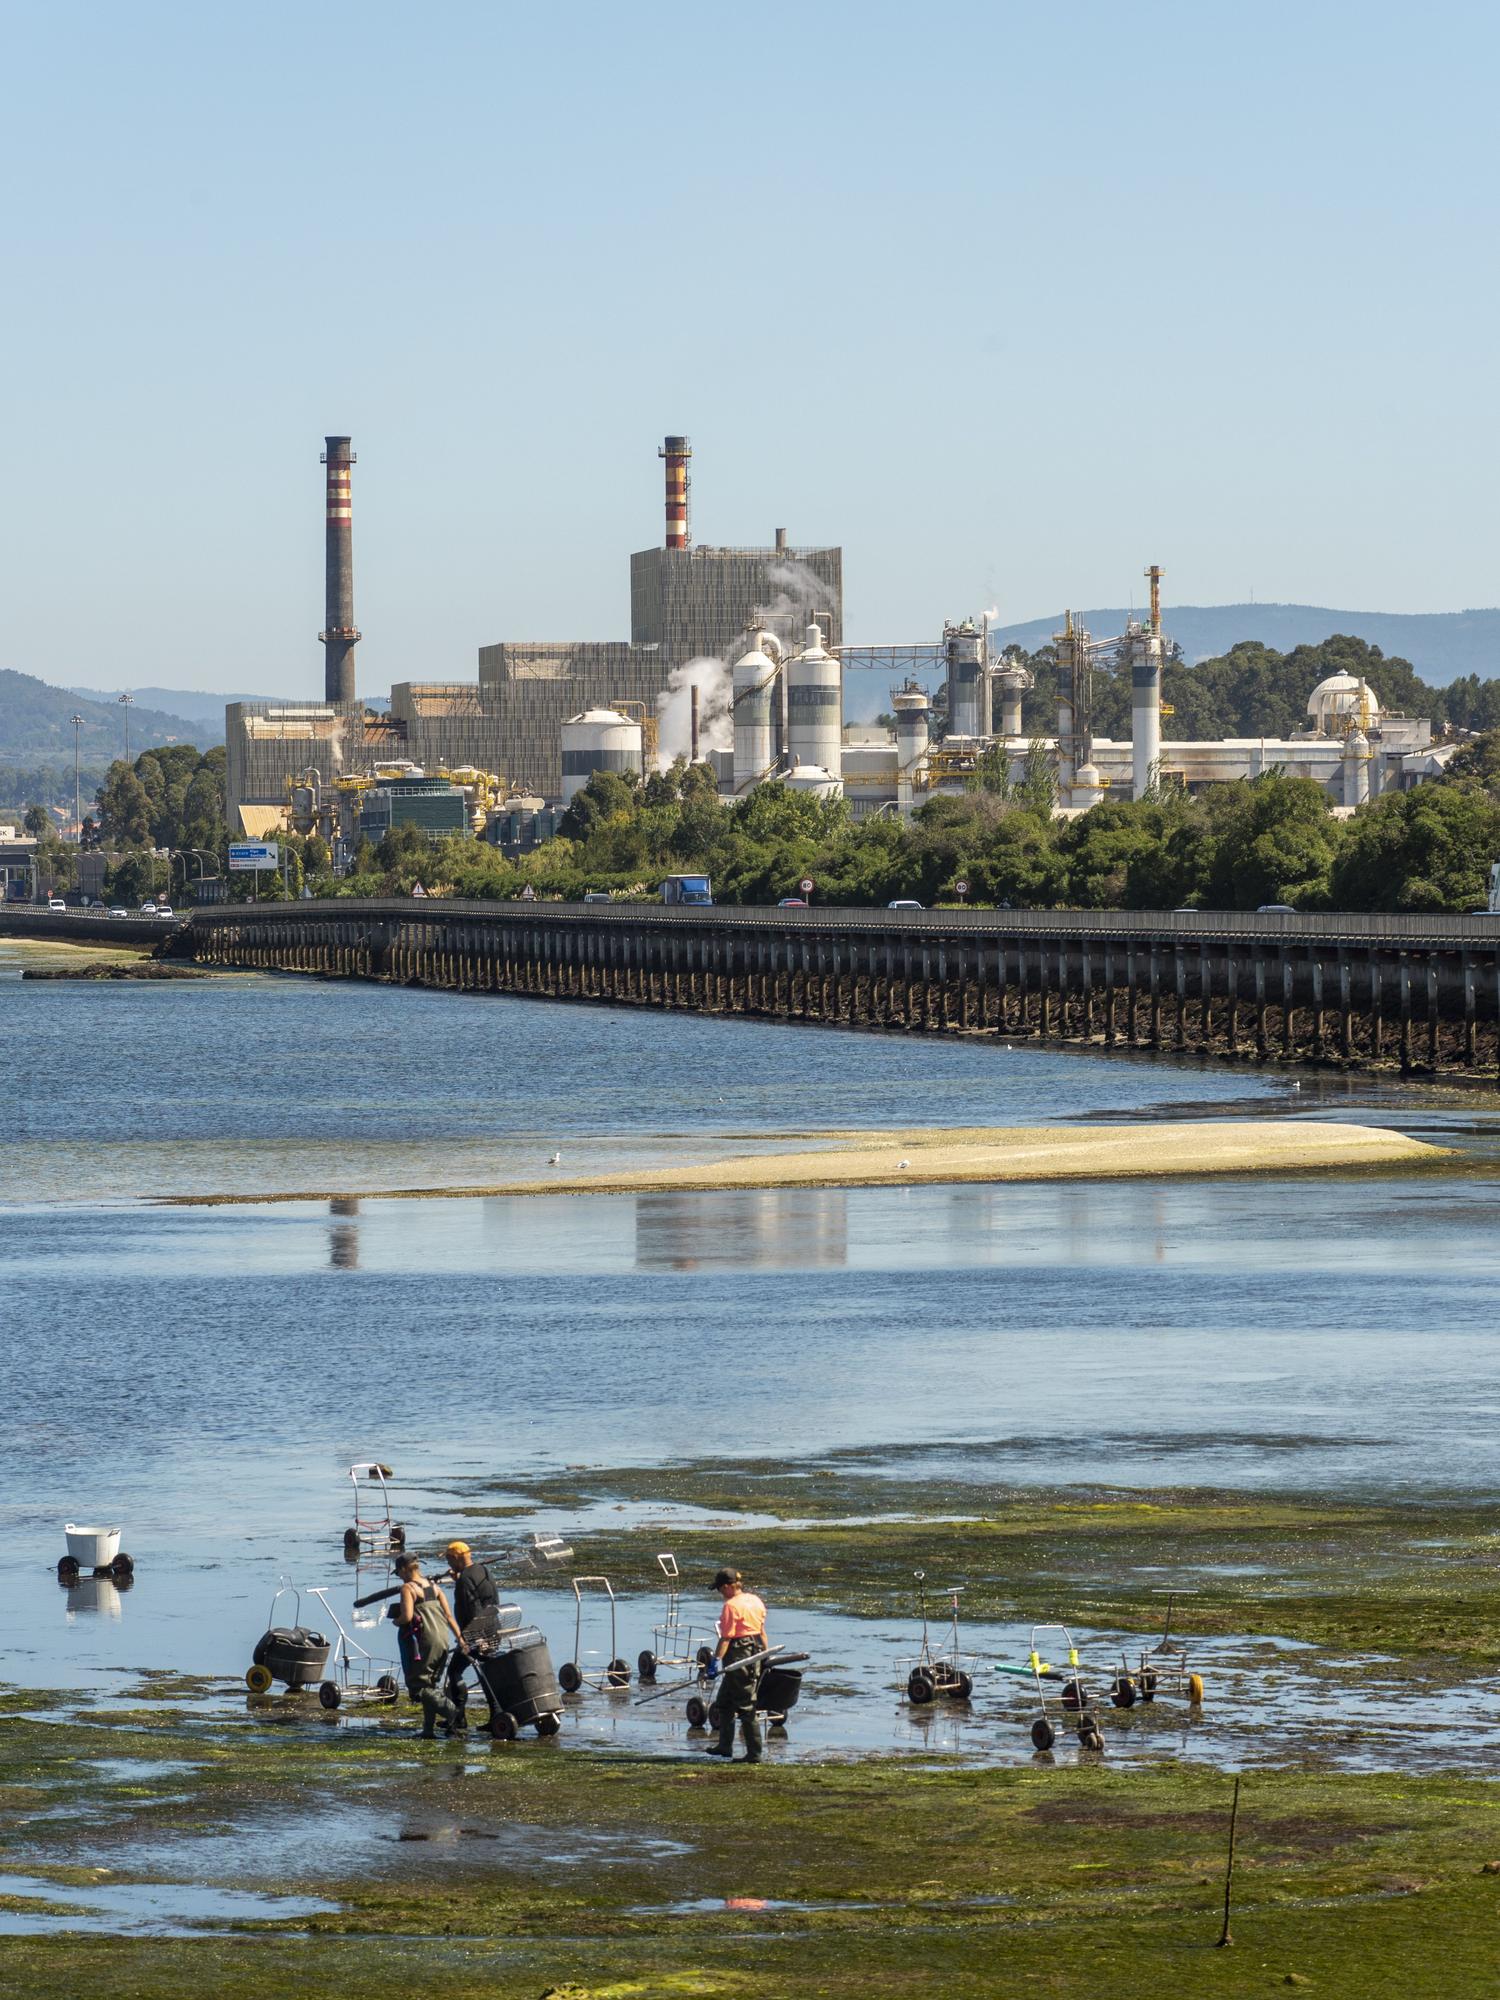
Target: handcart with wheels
[[574, 1675], [777, 1691], [671, 1641], [361, 1677], [944, 1674], [295, 1654], [514, 1670], [375, 1531]]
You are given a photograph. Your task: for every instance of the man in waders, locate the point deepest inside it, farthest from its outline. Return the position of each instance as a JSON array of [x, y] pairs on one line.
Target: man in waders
[[742, 1631], [474, 1590], [423, 1626]]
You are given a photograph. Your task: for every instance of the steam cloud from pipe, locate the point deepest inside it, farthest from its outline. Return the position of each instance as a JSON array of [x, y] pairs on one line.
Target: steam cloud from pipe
[[674, 711]]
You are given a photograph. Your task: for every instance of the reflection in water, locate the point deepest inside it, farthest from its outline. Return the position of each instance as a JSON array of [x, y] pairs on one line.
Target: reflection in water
[[98, 1596], [766, 1229], [343, 1237]]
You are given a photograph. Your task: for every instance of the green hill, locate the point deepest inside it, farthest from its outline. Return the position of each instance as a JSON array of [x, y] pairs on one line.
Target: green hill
[[36, 725]]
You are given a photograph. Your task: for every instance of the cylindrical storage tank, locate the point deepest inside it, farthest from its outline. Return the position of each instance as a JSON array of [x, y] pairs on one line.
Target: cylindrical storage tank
[[1013, 682], [913, 708], [1088, 787], [814, 780], [601, 739], [1145, 711], [964, 646], [815, 707], [520, 1681], [1356, 768], [754, 686]]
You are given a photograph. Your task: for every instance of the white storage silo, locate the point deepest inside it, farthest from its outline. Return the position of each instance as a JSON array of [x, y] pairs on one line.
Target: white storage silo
[[968, 680], [601, 739], [815, 707], [754, 688]]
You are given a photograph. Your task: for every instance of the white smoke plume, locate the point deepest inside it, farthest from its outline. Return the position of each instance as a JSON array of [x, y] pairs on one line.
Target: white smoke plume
[[800, 597], [674, 711]]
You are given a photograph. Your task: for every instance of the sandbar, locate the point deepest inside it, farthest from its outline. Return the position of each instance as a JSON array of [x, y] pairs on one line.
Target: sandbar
[[1140, 1151]]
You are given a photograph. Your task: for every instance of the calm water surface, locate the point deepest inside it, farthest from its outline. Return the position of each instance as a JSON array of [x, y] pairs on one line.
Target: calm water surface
[[207, 1375]]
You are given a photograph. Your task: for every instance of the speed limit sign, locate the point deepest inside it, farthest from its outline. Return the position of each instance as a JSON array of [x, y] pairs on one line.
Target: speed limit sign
[[806, 885], [960, 888]]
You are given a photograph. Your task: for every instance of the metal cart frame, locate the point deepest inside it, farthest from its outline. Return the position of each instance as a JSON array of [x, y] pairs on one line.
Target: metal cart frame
[[375, 1534], [573, 1676], [948, 1674], [671, 1642]]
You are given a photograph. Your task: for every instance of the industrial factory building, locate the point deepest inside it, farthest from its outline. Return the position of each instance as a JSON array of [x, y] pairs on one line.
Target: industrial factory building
[[544, 714], [687, 602]]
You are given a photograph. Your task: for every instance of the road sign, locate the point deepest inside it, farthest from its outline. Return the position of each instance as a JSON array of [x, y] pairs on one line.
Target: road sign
[[806, 885], [960, 888], [247, 854]]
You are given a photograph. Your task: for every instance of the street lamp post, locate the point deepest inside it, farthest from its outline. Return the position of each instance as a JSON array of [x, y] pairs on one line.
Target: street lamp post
[[77, 722], [127, 702]]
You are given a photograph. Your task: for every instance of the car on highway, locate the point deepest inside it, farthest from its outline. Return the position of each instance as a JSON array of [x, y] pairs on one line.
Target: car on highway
[[1274, 910], [56, 903], [904, 903], [792, 903], [118, 912], [596, 896]]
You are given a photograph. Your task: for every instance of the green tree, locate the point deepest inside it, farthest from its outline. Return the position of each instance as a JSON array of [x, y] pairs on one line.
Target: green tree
[[1428, 849], [1271, 840], [124, 807]]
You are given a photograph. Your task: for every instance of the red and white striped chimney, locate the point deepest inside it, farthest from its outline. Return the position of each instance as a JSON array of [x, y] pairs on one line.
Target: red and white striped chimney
[[677, 451]]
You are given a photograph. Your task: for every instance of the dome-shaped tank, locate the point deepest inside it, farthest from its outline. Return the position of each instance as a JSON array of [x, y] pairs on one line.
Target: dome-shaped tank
[[814, 780], [601, 739], [815, 707], [1340, 703], [754, 690], [1088, 786]]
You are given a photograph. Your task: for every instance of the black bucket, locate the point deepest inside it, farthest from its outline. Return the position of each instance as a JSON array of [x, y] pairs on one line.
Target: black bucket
[[779, 1690], [520, 1680], [292, 1654]]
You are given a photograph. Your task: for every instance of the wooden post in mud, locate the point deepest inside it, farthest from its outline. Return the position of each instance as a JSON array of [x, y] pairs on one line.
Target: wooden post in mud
[[1234, 1813]]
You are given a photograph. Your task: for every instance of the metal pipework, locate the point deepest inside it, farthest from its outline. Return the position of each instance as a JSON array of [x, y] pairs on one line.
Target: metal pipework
[[340, 634], [677, 451]]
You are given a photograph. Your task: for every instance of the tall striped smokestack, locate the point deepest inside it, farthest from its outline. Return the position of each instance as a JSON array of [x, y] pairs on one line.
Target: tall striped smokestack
[[340, 635], [677, 451]]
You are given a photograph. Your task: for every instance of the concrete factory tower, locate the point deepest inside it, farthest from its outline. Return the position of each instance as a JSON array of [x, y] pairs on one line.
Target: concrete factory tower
[[677, 451], [1145, 695], [341, 635]]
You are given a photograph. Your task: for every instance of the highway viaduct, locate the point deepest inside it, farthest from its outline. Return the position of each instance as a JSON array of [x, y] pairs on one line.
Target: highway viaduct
[[1416, 992]]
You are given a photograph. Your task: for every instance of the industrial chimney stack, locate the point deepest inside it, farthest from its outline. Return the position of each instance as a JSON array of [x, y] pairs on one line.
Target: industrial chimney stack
[[341, 635], [677, 451]]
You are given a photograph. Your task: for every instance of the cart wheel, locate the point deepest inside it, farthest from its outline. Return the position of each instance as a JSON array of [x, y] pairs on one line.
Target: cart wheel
[[568, 1678], [123, 1565], [703, 1655], [548, 1725], [1122, 1691], [1043, 1735], [1073, 1695], [1147, 1687], [963, 1687], [776, 1728], [1088, 1732], [67, 1570], [715, 1715], [330, 1694], [919, 1687], [697, 1711], [1195, 1690], [645, 1666], [388, 1686], [503, 1726], [398, 1536], [351, 1544], [258, 1679], [618, 1675]]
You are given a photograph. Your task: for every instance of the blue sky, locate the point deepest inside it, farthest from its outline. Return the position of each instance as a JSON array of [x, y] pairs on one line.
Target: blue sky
[[1010, 301]]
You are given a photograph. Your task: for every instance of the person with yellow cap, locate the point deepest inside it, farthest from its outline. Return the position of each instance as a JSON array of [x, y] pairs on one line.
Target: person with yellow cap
[[474, 1590]]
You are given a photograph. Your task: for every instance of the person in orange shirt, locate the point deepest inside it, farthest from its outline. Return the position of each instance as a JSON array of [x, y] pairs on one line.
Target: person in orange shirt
[[742, 1631]]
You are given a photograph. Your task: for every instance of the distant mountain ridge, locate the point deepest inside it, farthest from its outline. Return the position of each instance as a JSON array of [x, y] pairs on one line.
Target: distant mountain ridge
[[36, 725], [1441, 645], [194, 704]]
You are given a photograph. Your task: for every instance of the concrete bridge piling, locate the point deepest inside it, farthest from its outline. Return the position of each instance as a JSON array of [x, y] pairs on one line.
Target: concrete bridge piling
[[1419, 992]]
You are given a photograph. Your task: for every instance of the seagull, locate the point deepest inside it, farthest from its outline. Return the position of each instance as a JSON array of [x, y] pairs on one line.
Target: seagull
[[902, 1165], [1296, 1086], [555, 1160]]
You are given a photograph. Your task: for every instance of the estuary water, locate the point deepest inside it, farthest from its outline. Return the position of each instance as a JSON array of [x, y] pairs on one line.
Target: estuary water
[[206, 1375]]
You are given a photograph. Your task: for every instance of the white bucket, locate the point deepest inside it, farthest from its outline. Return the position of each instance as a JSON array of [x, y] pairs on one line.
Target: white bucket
[[92, 1548]]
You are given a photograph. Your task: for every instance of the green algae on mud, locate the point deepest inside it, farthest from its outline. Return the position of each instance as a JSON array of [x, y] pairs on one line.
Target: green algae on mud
[[1364, 1576], [877, 1879]]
